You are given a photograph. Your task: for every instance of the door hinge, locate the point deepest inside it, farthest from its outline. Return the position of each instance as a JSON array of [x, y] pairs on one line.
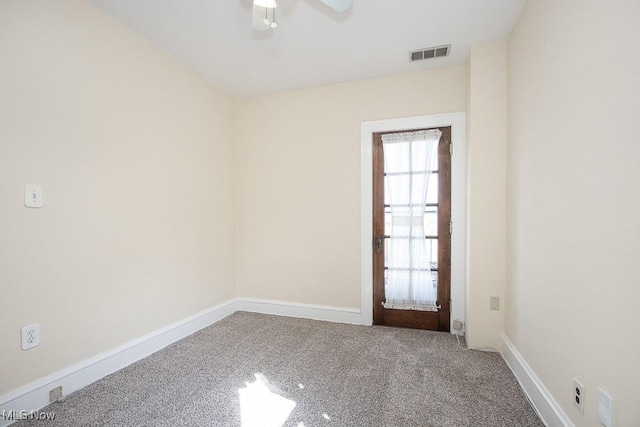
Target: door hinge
[[450, 227], [451, 148], [377, 244], [450, 306]]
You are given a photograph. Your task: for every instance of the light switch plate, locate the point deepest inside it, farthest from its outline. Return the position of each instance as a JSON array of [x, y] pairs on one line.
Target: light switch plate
[[33, 196]]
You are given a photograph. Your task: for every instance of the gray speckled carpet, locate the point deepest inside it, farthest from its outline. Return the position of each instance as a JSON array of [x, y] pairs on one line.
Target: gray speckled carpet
[[257, 370]]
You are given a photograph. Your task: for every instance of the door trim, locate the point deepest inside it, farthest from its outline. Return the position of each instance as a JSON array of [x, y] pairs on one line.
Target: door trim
[[457, 121]]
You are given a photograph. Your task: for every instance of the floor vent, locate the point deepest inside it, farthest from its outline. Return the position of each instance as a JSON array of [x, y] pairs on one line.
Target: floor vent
[[430, 53]]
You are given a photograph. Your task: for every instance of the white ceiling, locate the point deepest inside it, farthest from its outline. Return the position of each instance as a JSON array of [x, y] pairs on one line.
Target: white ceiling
[[313, 45]]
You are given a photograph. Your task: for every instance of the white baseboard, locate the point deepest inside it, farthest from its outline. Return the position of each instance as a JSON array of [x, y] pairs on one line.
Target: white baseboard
[[35, 395], [548, 409], [306, 311]]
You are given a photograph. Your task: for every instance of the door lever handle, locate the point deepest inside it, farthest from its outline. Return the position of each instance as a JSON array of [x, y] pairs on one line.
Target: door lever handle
[[377, 243]]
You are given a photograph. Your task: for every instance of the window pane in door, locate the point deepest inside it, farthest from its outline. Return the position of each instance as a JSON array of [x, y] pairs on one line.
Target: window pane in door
[[432, 250], [432, 189], [431, 221], [407, 187]]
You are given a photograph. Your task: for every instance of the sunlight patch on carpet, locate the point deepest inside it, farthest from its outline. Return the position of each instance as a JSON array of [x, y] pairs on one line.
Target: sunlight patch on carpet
[[260, 407]]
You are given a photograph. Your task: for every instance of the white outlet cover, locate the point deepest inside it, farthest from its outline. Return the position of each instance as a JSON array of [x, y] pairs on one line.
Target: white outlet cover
[[33, 196], [30, 336], [605, 408], [578, 395]]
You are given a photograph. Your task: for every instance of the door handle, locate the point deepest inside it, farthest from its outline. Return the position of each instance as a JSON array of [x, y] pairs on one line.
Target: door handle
[[377, 243]]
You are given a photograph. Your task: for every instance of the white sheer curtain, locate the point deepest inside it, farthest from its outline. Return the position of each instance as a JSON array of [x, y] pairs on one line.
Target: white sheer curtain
[[409, 157]]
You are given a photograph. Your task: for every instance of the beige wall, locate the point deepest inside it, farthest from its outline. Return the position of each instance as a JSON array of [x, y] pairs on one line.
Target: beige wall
[[486, 165], [298, 180], [135, 155], [573, 200]]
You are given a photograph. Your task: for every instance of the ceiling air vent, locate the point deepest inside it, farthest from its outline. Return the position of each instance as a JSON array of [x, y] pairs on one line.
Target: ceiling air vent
[[432, 52]]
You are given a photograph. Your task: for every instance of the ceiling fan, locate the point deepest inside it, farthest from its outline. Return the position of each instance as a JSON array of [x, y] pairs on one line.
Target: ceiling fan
[[264, 12]]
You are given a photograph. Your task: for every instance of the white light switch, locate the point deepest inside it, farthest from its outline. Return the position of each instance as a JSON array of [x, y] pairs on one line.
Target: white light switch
[[33, 196]]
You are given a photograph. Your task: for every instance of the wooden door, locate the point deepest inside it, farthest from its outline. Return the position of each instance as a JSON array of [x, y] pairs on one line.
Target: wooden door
[[441, 204]]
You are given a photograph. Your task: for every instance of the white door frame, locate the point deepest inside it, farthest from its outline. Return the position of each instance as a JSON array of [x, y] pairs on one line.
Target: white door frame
[[457, 121]]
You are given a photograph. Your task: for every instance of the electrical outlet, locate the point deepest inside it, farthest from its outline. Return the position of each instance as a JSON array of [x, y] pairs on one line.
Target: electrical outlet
[[578, 395], [457, 325], [30, 335], [494, 303]]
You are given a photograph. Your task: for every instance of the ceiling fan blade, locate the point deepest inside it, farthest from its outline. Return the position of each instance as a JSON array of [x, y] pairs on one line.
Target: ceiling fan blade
[[339, 5], [265, 3]]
